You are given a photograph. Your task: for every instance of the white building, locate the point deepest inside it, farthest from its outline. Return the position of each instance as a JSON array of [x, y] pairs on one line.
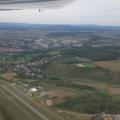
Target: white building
[[33, 90]]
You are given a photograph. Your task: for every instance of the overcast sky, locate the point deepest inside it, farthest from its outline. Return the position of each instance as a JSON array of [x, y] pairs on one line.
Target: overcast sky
[[102, 12]]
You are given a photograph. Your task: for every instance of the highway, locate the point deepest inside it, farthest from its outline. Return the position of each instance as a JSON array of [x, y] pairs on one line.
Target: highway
[[18, 106]]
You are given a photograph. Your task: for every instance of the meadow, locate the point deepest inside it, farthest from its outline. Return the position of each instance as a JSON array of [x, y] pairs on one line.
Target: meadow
[[91, 80]]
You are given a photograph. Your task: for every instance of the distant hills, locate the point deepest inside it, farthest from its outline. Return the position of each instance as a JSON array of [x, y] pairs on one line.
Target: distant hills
[[49, 26]]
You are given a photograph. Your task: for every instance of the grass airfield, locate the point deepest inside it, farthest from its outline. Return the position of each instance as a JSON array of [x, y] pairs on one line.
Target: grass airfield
[[14, 105]]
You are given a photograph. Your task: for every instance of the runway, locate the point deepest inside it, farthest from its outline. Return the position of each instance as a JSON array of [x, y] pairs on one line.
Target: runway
[[18, 106]]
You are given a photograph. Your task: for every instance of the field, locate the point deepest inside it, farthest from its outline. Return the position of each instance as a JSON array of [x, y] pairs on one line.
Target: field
[[70, 71], [60, 95], [110, 65], [75, 116], [1, 115], [114, 91], [9, 76], [86, 80], [52, 53]]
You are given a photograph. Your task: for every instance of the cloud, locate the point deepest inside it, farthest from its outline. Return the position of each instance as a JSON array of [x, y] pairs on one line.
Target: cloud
[[78, 12]]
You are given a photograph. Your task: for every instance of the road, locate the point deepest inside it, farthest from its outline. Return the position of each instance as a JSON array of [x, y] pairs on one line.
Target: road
[[17, 106]]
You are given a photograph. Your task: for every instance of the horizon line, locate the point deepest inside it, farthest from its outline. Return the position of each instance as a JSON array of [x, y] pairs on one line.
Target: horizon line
[[60, 24]]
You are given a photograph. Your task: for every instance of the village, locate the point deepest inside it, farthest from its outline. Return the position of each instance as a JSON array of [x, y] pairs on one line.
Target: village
[[104, 116]]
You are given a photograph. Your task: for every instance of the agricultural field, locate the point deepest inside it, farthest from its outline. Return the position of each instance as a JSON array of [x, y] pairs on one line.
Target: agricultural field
[[113, 65], [9, 76], [75, 116], [60, 95], [53, 53], [86, 79], [71, 71]]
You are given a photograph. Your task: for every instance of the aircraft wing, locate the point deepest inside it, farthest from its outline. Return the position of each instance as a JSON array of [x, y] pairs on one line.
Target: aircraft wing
[[31, 4]]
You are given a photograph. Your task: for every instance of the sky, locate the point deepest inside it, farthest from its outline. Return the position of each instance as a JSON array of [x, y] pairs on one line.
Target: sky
[[101, 12]]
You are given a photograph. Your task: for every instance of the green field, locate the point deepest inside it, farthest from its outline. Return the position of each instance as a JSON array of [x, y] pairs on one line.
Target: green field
[[76, 116], [90, 81], [53, 53], [70, 71], [89, 65]]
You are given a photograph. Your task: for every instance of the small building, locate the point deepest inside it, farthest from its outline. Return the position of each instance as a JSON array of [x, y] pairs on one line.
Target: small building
[[33, 90]]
